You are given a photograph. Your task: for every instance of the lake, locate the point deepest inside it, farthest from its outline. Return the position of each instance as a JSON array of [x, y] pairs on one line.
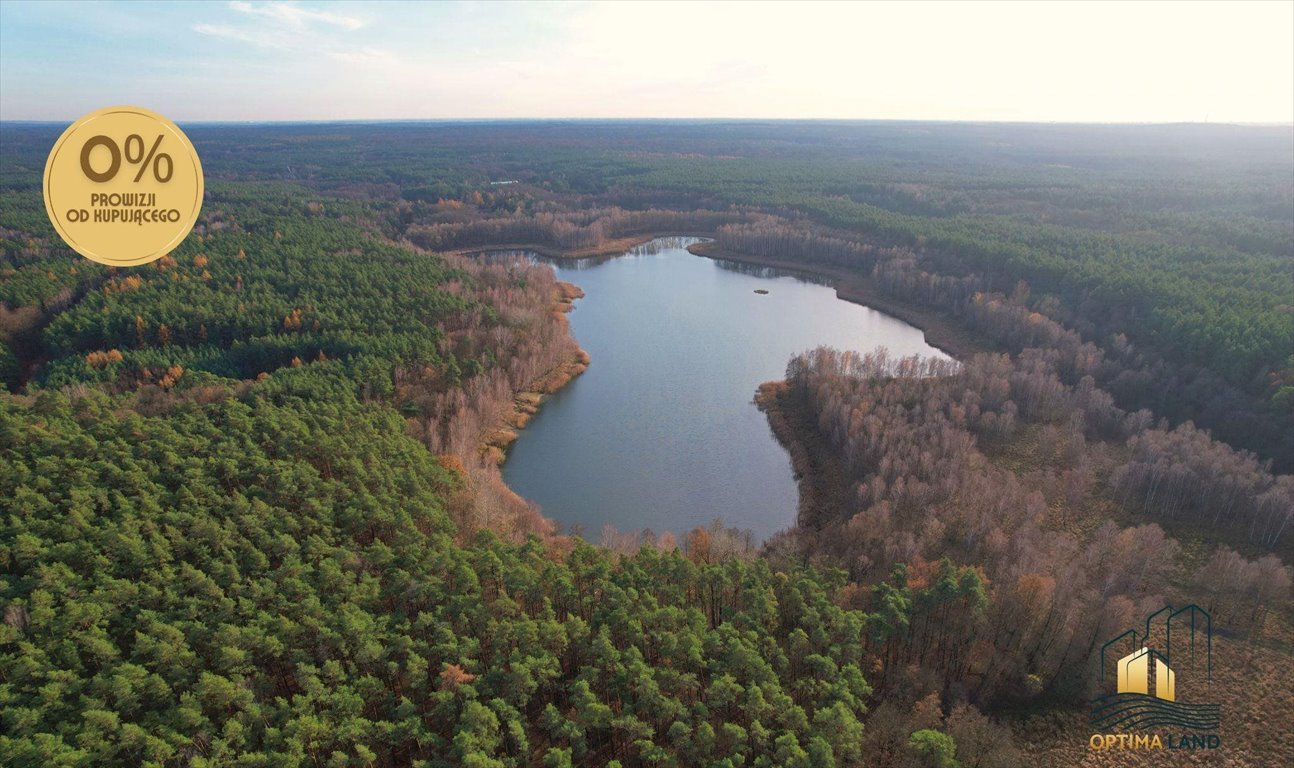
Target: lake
[[661, 431]]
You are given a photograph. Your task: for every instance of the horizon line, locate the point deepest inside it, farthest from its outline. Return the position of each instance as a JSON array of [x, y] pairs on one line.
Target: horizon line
[[874, 120]]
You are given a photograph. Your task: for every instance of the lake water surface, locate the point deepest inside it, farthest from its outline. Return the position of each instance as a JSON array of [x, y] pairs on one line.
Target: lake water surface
[[660, 432]]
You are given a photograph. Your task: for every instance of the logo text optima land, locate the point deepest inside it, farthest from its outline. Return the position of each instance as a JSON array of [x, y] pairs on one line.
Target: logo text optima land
[[1145, 710]]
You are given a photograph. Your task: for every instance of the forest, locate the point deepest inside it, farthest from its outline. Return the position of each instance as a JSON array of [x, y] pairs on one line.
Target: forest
[[253, 514]]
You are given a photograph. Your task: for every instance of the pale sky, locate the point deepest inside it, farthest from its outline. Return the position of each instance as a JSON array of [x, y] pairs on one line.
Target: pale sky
[[1014, 61]]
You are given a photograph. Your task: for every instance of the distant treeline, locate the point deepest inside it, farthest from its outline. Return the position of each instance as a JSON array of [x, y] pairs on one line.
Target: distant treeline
[[566, 230]]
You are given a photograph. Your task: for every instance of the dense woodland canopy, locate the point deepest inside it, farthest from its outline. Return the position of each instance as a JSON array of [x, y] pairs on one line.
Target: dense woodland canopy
[[253, 514]]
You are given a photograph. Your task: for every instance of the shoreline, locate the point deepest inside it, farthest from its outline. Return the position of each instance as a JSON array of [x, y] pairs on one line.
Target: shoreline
[[821, 478], [939, 330], [610, 249], [821, 481], [496, 440]]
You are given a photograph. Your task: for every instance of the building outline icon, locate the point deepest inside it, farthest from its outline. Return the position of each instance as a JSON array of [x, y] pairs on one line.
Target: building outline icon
[[1146, 686]]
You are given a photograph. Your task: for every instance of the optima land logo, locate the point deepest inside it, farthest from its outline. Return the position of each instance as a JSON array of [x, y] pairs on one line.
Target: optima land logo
[[1144, 711]]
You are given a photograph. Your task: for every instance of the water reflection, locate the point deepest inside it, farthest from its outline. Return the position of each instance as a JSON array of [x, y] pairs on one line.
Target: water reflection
[[768, 273], [650, 248], [662, 244]]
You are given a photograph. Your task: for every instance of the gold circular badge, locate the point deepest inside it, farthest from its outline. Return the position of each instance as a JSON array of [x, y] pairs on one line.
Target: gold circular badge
[[123, 186]]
